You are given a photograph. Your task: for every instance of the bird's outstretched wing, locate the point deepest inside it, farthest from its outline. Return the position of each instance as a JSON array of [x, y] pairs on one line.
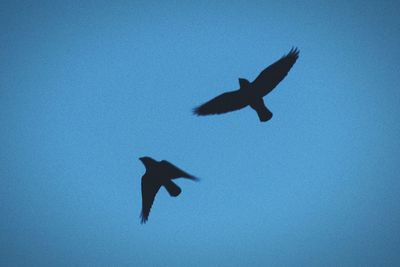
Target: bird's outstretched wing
[[149, 191], [275, 73], [172, 172], [223, 103]]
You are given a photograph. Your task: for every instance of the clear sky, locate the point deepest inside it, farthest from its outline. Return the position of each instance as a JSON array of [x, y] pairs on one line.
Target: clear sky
[[88, 88]]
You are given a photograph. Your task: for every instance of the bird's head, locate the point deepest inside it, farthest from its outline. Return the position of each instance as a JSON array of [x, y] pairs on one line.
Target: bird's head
[[147, 161]]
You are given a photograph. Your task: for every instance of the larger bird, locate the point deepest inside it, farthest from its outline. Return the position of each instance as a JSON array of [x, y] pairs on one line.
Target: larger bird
[[251, 94], [159, 173]]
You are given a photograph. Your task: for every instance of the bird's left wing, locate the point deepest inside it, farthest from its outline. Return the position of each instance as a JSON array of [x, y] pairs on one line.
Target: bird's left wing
[[223, 103], [275, 73], [149, 191], [172, 171]]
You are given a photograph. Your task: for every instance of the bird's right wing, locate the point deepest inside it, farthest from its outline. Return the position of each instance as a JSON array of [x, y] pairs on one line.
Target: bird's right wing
[[223, 103], [149, 191], [275, 73], [172, 171]]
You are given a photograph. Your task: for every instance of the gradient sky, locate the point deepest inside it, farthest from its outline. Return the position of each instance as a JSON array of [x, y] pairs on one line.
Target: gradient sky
[[87, 88]]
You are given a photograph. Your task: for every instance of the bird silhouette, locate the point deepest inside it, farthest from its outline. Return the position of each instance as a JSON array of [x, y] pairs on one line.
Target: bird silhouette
[[159, 173], [251, 94]]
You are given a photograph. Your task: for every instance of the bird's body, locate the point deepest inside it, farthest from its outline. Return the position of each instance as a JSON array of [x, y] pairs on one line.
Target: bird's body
[[251, 94], [158, 174]]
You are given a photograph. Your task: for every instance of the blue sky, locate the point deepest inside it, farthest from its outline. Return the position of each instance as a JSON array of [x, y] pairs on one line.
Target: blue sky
[[87, 88]]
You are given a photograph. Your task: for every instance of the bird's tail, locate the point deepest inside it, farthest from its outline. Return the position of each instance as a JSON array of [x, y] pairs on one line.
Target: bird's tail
[[173, 189], [264, 114]]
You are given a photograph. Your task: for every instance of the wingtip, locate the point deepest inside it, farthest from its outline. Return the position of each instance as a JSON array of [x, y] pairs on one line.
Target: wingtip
[[294, 51], [197, 111], [143, 219], [191, 177], [196, 179]]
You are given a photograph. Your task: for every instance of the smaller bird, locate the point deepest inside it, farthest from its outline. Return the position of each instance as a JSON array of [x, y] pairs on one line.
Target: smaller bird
[[159, 173], [251, 93]]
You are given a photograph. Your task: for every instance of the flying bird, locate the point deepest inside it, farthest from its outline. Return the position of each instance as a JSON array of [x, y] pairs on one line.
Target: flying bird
[[251, 94], [159, 173]]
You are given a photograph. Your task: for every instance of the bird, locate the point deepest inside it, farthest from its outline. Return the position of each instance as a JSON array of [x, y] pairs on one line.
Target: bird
[[159, 173], [251, 94]]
